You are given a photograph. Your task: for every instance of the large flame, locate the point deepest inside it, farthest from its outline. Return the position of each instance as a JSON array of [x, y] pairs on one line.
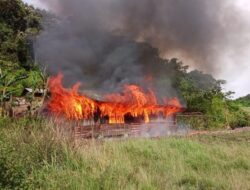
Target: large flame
[[132, 102]]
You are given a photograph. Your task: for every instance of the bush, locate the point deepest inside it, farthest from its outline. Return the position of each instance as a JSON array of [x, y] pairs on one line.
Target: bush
[[239, 119], [12, 173], [27, 145]]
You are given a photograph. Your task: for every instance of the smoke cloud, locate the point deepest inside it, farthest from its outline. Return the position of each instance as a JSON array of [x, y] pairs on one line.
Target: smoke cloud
[[109, 42]]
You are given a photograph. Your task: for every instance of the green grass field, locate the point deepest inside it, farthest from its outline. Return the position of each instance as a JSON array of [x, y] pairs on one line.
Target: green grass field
[[246, 109], [34, 156]]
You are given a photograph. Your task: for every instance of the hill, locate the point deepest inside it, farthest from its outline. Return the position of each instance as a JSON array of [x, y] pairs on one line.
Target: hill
[[244, 101]]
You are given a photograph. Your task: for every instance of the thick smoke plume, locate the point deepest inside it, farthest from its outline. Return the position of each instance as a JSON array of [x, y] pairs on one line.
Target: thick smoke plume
[[104, 42]]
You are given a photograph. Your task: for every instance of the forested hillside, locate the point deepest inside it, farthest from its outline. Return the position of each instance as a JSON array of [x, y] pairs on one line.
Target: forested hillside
[[244, 101], [19, 24]]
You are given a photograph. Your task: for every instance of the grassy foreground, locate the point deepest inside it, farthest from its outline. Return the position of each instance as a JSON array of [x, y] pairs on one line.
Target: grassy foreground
[[34, 156]]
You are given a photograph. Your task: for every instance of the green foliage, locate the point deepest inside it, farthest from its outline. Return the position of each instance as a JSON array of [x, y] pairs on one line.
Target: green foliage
[[204, 94], [26, 145], [12, 82], [244, 101], [35, 156], [13, 13], [18, 24], [239, 117], [12, 172]]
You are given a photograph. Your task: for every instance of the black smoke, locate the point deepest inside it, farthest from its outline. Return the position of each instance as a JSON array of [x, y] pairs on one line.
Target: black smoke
[[106, 43]]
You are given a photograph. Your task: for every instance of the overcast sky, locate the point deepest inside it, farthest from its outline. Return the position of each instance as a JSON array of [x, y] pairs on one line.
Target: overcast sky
[[238, 78]]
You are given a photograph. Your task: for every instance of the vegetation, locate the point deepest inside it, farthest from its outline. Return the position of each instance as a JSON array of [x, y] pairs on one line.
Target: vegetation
[[244, 101], [204, 94], [19, 24], [200, 93], [35, 156]]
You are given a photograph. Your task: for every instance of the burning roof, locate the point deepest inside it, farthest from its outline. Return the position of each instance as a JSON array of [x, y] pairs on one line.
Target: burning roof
[[132, 104]]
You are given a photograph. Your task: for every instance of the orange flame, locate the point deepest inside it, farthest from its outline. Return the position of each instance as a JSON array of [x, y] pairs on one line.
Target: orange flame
[[133, 101]]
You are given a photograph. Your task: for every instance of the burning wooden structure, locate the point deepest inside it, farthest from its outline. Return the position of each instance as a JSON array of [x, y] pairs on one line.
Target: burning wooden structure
[[134, 110]]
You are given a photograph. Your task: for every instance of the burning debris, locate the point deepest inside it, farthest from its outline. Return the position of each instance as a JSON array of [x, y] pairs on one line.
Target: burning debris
[[132, 105]]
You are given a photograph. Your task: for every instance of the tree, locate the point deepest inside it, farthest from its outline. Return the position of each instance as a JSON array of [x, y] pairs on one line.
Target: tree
[[7, 87]]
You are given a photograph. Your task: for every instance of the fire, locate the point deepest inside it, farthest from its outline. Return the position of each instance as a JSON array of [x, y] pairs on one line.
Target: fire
[[69, 102], [133, 103]]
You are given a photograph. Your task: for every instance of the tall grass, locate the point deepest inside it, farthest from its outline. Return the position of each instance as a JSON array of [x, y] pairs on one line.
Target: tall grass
[[35, 156]]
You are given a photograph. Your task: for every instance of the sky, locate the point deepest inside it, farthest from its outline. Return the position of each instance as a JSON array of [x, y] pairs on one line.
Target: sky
[[238, 78], [36, 3]]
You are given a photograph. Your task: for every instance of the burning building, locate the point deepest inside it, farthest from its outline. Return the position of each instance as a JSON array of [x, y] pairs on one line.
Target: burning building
[[134, 106], [118, 50]]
